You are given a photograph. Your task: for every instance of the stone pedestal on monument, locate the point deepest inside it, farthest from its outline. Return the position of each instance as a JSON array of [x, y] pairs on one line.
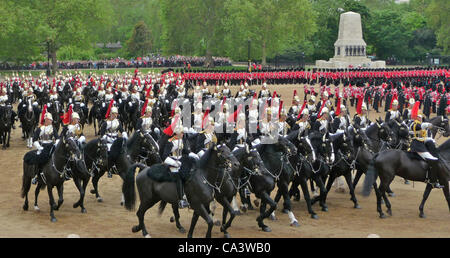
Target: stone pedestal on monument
[[350, 47]]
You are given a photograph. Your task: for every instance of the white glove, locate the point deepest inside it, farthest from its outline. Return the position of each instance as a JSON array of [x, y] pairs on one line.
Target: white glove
[[103, 104], [120, 101], [70, 100], [37, 145], [125, 135], [82, 105], [82, 139]]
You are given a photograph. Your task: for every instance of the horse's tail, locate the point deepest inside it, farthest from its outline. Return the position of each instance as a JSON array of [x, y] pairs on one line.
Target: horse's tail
[[162, 206], [128, 188], [371, 176], [26, 180]]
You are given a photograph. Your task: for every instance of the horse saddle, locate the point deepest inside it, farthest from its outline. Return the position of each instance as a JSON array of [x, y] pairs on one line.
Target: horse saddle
[[161, 173], [414, 156]]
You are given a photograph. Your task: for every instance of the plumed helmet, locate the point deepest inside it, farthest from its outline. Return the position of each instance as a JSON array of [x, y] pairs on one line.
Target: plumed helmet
[[48, 116], [75, 115], [114, 110]]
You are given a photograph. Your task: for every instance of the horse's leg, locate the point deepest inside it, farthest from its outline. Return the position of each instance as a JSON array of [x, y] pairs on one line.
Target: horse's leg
[[348, 179], [60, 190], [287, 204], [330, 182], [378, 194], [357, 177], [193, 223], [36, 195], [426, 193], [294, 191], [445, 190], [26, 185], [176, 213], [52, 203], [323, 193], [384, 185], [81, 189], [95, 180], [143, 207], [305, 190], [265, 199], [226, 208]]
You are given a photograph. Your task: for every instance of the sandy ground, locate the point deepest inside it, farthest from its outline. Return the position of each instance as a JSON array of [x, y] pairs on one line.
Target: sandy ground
[[109, 219]]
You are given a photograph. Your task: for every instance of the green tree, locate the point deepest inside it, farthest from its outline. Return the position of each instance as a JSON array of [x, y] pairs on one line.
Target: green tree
[[437, 14], [140, 42]]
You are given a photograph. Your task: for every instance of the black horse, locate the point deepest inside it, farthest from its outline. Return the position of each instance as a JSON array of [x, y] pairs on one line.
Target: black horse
[[56, 110], [97, 114], [440, 126], [65, 157], [388, 164], [155, 184], [343, 164], [29, 118], [276, 160], [5, 125], [96, 158]]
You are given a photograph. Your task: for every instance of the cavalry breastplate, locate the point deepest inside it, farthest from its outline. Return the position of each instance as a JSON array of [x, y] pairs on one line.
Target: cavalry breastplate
[[101, 93], [112, 126], [75, 130], [418, 132], [3, 99], [108, 97], [146, 123], [46, 134], [78, 98], [177, 148], [226, 91], [311, 108], [264, 93], [394, 114], [136, 96]]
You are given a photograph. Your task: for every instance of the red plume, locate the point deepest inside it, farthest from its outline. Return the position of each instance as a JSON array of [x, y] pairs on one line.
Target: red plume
[[205, 118], [320, 110], [111, 102], [43, 114], [301, 110], [148, 92], [338, 108], [66, 117], [279, 109], [169, 130], [359, 106], [293, 97], [415, 110], [144, 107], [233, 117]]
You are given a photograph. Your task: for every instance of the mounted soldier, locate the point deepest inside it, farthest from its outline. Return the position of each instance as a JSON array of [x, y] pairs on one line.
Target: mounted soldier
[[422, 145]]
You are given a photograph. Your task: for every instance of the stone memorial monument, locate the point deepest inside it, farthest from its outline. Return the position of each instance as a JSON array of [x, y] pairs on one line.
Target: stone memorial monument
[[350, 47]]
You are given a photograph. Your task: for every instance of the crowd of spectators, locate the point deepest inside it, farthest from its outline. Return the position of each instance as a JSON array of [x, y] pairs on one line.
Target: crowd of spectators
[[140, 62]]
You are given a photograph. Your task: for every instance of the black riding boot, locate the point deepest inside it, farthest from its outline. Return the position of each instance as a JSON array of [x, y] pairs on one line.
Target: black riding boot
[[432, 174], [182, 203]]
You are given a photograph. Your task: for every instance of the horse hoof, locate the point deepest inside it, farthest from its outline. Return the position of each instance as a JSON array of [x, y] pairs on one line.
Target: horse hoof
[[99, 199], [266, 229], [182, 230], [25, 207], [135, 229], [285, 211], [121, 203], [83, 210], [272, 217], [389, 212], [295, 224], [226, 235], [422, 215], [36, 208], [391, 194], [314, 216], [383, 216], [325, 209], [237, 213], [147, 236], [217, 223], [244, 209], [53, 219], [357, 206], [172, 220]]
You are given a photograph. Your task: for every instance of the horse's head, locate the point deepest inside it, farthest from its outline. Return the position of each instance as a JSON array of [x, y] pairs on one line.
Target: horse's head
[[444, 125], [102, 153], [254, 162], [73, 154], [344, 145], [148, 143], [226, 157], [322, 144], [356, 137], [287, 147], [384, 131]]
